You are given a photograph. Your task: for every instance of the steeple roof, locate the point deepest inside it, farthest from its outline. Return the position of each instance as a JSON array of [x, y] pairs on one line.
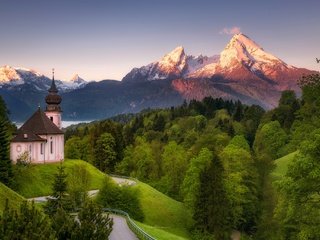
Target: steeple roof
[[37, 124], [53, 99], [53, 88]]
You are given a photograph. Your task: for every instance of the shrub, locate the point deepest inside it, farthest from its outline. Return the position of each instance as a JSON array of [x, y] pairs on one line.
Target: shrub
[[121, 197]]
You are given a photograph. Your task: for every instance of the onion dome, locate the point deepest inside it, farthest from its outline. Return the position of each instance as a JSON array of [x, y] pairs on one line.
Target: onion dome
[[53, 99]]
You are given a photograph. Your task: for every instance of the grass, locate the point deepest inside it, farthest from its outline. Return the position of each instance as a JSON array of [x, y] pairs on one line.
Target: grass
[[36, 180], [282, 165], [14, 198], [158, 233], [164, 217]]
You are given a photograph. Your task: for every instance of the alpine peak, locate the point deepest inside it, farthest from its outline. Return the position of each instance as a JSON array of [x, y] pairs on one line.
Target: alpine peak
[[8, 73], [175, 57], [76, 78], [242, 50]]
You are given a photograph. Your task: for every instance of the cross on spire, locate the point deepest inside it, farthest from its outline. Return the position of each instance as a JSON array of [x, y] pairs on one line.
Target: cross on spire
[[53, 88]]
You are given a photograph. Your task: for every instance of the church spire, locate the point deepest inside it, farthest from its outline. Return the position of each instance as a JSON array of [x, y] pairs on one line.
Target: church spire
[[53, 100], [53, 88]]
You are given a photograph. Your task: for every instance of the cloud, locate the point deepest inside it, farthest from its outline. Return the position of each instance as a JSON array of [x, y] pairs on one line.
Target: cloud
[[230, 31]]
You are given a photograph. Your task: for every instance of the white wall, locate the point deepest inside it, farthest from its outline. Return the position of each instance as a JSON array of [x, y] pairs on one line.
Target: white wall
[[56, 118], [34, 149]]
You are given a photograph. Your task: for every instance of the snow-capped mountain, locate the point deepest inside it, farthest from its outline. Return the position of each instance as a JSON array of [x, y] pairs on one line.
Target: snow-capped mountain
[[243, 70], [175, 64], [75, 82], [17, 77]]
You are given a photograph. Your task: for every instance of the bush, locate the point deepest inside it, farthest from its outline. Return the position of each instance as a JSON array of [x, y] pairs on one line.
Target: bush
[[121, 197]]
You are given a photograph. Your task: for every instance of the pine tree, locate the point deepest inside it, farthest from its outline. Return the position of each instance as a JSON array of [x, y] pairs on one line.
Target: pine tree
[[63, 224], [159, 123], [27, 223], [59, 197], [6, 173], [92, 223], [239, 113], [212, 208]]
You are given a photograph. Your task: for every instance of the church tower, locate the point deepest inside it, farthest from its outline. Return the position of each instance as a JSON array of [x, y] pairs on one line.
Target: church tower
[[53, 100]]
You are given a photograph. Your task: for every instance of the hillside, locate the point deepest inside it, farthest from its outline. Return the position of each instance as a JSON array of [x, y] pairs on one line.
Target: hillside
[[282, 165], [164, 217], [163, 214], [36, 180], [6, 193]]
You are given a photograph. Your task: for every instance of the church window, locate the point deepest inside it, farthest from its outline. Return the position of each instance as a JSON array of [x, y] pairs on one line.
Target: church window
[[19, 148], [41, 148], [51, 147]]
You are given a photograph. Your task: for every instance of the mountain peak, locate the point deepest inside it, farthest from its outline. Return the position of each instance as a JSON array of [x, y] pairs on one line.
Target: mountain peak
[[244, 41], [176, 56], [242, 50], [8, 74], [75, 78]]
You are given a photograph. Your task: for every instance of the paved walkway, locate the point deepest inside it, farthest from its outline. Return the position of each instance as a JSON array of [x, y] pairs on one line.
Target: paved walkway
[[120, 229], [123, 181], [91, 193]]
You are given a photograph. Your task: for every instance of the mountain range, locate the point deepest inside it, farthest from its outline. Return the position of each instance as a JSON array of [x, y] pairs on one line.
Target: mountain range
[[243, 70]]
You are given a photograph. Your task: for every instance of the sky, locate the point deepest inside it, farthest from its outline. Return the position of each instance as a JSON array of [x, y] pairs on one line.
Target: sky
[[105, 39]]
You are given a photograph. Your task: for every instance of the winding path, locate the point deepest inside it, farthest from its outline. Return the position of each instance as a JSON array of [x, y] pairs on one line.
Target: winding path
[[120, 229]]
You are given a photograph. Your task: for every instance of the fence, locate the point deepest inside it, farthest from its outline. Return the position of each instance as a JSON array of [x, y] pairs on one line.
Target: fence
[[132, 225]]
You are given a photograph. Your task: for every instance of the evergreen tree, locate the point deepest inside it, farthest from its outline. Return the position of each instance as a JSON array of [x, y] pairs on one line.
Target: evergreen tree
[[3, 110], [27, 223], [212, 207], [159, 122], [92, 223], [6, 174], [59, 197], [63, 224], [239, 113]]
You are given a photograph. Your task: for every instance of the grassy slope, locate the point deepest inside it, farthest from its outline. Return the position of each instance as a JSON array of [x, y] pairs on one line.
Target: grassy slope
[[160, 233], [163, 213], [6, 193], [282, 165], [165, 218], [36, 180]]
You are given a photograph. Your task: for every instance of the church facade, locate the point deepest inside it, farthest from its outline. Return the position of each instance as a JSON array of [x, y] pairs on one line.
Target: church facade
[[40, 139]]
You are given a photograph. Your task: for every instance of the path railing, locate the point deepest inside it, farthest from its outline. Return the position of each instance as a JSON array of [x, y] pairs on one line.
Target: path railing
[[141, 234]]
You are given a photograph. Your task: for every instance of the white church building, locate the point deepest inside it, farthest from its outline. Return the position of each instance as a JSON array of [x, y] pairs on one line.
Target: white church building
[[40, 137]]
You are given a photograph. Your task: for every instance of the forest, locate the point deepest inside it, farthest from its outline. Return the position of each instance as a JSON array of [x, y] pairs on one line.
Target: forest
[[218, 157]]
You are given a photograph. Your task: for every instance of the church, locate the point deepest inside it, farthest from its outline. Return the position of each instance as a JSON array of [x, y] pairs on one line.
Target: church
[[40, 138]]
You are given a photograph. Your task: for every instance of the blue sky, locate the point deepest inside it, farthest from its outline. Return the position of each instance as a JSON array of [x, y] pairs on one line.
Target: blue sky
[[102, 39]]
